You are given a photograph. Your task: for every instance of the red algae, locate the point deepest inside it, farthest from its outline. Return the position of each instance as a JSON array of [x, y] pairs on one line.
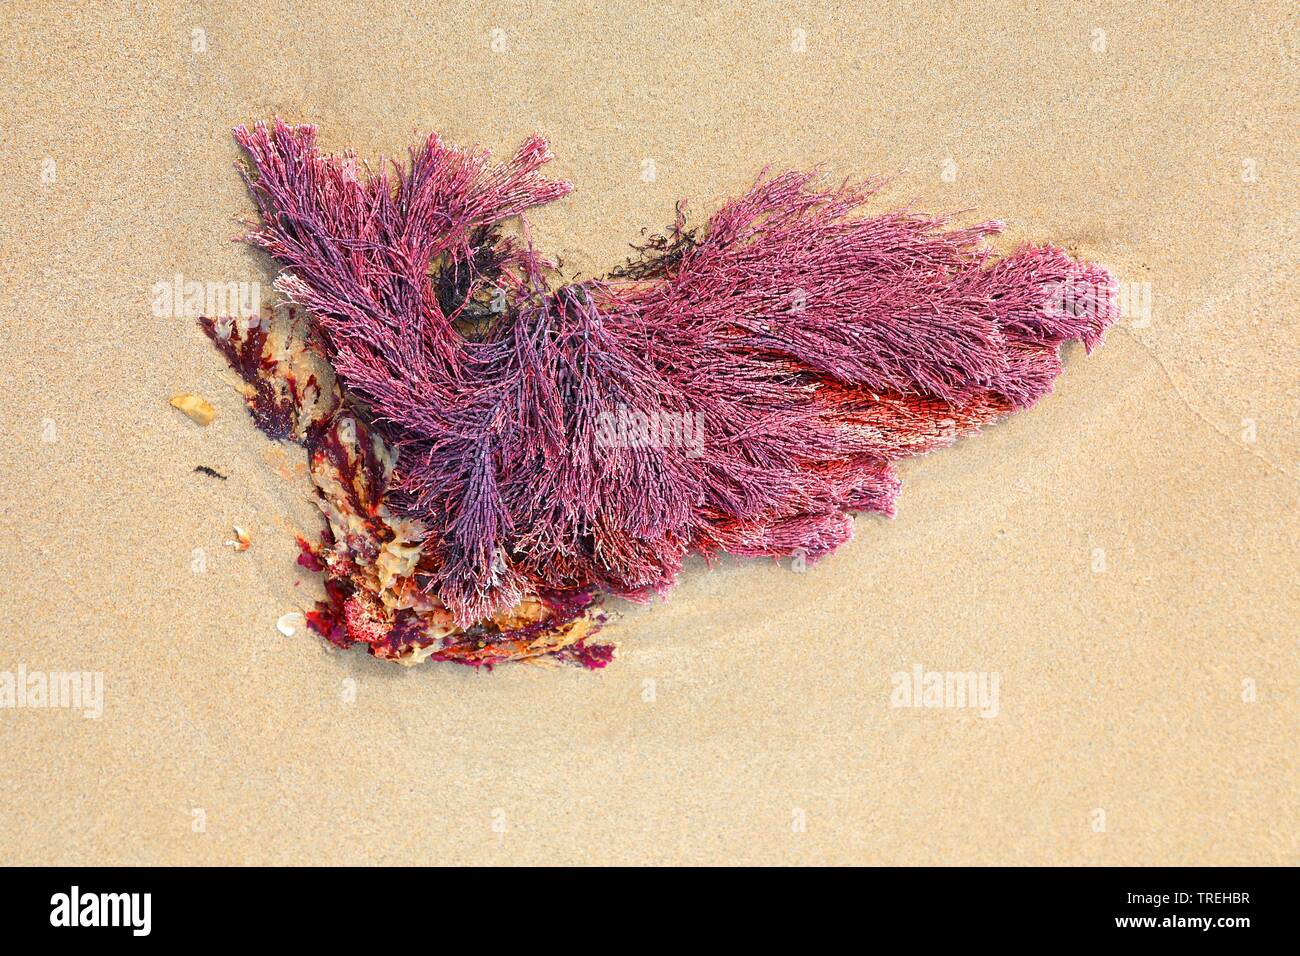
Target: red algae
[[495, 450]]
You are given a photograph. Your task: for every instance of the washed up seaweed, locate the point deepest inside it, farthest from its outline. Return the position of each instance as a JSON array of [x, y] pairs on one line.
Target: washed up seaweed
[[496, 449]]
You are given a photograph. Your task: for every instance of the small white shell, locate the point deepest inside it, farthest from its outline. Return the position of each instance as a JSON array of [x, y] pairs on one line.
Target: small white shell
[[288, 624]]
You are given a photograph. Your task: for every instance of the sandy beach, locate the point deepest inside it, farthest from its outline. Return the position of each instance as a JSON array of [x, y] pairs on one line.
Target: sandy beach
[[1122, 556]]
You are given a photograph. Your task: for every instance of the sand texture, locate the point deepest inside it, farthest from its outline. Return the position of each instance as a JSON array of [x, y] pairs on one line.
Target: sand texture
[[1122, 556]]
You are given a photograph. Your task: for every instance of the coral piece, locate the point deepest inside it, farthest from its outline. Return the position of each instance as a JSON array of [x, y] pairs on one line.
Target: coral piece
[[516, 446]]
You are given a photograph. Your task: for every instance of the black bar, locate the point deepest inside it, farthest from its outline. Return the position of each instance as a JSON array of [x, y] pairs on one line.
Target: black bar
[[339, 907]]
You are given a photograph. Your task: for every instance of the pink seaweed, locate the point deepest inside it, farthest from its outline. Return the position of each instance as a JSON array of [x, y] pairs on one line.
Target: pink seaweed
[[803, 345]]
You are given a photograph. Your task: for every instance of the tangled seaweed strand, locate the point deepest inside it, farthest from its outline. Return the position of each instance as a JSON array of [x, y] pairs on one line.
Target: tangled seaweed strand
[[802, 345]]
